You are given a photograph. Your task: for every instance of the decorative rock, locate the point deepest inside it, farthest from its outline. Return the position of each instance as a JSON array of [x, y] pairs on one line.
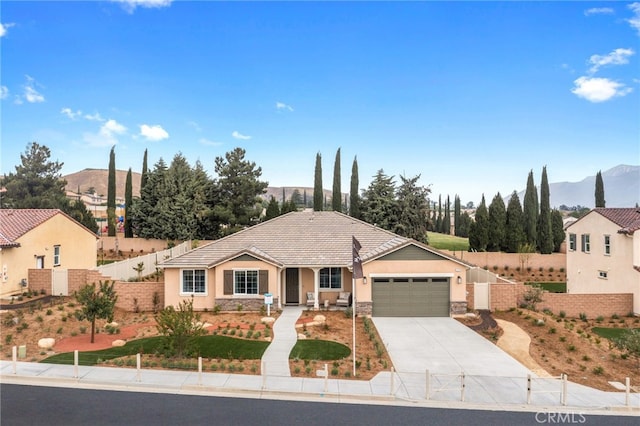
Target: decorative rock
[[267, 339], [112, 324], [267, 319], [301, 336], [118, 343], [319, 318], [470, 315], [46, 343]]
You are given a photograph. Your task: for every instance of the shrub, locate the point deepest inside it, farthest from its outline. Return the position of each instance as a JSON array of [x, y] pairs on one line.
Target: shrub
[[552, 330], [571, 348], [597, 370], [615, 316], [550, 268], [583, 316], [599, 319], [586, 358], [49, 312], [562, 314]]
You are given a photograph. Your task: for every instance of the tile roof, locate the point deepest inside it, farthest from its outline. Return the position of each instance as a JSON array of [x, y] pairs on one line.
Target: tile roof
[[300, 239], [628, 219], [14, 223]]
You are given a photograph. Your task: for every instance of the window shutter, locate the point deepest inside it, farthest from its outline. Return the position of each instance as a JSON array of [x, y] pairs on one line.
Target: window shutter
[[263, 279], [228, 282]]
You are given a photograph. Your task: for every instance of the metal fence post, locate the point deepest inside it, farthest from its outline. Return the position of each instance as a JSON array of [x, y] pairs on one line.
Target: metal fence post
[[428, 385], [563, 394], [75, 364], [264, 375], [462, 386], [14, 359], [627, 383], [326, 378], [199, 371], [138, 367], [528, 389], [391, 384]]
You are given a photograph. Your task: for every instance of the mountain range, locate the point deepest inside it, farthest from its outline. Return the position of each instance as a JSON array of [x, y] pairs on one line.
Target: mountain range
[[621, 187]]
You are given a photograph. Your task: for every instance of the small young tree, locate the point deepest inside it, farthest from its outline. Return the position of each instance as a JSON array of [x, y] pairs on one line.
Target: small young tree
[[180, 327], [97, 303], [139, 268]]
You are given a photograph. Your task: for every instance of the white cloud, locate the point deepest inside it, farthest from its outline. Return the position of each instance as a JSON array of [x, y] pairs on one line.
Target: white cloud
[[4, 92], [617, 57], [4, 28], [31, 95], [106, 136], [599, 11], [599, 89], [635, 21], [282, 106], [153, 133], [94, 117], [207, 142], [194, 125], [238, 135], [131, 5], [70, 113]]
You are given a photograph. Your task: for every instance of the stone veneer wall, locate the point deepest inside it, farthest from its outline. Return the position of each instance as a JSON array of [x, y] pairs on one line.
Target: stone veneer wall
[[249, 304], [458, 308], [364, 308]]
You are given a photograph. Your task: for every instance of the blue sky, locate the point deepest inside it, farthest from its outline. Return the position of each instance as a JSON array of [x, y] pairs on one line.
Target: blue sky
[[471, 95]]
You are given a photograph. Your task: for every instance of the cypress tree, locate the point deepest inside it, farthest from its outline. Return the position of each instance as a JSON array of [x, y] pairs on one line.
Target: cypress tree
[[145, 171], [478, 233], [545, 233], [456, 216], [600, 202], [446, 221], [304, 198], [111, 194], [439, 218], [354, 203], [336, 196], [317, 186], [128, 203], [530, 212], [497, 223], [514, 236], [557, 226]]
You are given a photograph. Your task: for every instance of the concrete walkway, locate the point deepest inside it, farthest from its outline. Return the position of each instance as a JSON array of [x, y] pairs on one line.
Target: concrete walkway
[[276, 358]]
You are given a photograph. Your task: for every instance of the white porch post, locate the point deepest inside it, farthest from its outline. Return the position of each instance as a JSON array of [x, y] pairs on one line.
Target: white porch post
[[316, 287], [280, 292]]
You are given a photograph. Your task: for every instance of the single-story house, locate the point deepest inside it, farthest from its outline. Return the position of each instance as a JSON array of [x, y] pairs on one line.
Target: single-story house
[[603, 253], [41, 239], [306, 258]]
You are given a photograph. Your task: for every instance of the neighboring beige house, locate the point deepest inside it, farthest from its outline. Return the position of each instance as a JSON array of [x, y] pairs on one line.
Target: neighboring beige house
[[41, 239], [603, 253], [304, 254]]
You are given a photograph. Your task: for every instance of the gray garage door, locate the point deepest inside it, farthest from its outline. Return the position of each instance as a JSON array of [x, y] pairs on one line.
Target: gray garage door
[[410, 297]]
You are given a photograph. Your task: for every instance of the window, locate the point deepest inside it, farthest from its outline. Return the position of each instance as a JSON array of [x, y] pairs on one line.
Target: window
[[56, 255], [331, 278], [603, 274], [607, 245], [586, 243], [194, 281], [572, 242], [245, 282]]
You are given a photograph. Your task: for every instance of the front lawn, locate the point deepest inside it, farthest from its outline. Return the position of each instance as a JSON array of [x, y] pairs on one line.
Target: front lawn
[[320, 350], [210, 347]]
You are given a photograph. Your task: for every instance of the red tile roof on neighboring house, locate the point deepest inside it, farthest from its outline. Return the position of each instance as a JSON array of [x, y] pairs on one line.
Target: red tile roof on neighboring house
[[628, 219], [14, 223]]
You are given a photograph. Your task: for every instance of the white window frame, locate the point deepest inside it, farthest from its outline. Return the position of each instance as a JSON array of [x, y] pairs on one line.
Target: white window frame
[[56, 255], [603, 275], [245, 271], [330, 287], [572, 242], [194, 292], [607, 245], [585, 242]]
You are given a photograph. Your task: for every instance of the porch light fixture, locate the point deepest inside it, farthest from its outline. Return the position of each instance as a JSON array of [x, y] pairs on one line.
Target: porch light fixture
[[459, 279], [364, 280]]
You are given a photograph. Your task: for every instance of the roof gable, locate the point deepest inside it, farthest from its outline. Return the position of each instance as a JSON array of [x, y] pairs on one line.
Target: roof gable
[[411, 252], [628, 219], [14, 223]]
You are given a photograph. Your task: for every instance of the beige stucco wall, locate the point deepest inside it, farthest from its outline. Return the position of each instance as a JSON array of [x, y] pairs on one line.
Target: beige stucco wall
[[215, 284], [77, 251], [583, 268], [427, 267]]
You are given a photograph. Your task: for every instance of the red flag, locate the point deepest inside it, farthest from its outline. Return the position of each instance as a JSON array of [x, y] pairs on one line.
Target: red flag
[[357, 261]]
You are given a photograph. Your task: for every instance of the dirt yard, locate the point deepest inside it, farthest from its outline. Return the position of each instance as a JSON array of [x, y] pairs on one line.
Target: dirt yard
[[54, 318], [569, 346]]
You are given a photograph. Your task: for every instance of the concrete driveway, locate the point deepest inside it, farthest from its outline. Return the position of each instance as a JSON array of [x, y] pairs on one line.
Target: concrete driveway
[[444, 346]]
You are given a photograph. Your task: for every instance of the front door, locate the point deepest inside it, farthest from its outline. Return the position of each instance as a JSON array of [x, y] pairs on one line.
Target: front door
[[292, 292]]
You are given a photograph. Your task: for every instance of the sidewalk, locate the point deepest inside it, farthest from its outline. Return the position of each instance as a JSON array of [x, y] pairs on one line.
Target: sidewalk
[[395, 388]]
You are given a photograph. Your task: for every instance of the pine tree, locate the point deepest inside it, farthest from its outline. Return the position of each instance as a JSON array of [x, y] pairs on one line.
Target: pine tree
[[413, 209], [111, 194], [354, 191], [514, 235], [379, 204], [530, 212], [128, 203], [600, 202], [497, 223], [336, 196], [317, 186], [273, 210], [145, 171], [545, 232]]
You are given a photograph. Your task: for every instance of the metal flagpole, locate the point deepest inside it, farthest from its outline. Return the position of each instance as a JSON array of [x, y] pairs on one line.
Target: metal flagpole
[[353, 309]]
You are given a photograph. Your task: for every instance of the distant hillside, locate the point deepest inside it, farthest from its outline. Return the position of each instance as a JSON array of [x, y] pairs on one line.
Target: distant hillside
[[98, 179], [288, 192], [621, 189]]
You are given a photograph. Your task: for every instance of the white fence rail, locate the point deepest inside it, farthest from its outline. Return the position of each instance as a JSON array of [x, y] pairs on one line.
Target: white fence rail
[[124, 270]]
